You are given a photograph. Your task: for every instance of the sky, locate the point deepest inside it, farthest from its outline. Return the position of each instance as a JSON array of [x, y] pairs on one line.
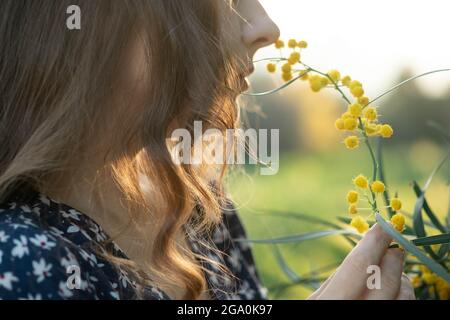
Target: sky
[[370, 40]]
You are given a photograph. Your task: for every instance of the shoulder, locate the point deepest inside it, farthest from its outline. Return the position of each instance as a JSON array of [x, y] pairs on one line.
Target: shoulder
[[35, 262]]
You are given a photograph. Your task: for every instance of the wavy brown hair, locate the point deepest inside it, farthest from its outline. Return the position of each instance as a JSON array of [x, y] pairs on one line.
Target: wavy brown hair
[[60, 106]]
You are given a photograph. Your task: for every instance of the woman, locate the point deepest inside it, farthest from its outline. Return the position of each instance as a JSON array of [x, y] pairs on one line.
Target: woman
[[93, 205]]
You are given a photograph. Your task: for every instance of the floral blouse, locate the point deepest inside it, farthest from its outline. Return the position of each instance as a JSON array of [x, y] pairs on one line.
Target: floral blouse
[[43, 243]]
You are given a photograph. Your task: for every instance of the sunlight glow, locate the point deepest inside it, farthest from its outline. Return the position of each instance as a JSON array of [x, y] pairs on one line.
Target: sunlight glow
[[371, 40]]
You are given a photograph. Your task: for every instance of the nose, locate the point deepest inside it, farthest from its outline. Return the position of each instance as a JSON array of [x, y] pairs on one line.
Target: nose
[[259, 30]]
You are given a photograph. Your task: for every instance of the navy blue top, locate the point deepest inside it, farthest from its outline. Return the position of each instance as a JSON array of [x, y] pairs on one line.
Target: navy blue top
[[49, 250]]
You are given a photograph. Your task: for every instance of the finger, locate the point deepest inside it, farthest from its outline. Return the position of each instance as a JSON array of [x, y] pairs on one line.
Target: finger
[[406, 289], [391, 269], [324, 285], [352, 274]]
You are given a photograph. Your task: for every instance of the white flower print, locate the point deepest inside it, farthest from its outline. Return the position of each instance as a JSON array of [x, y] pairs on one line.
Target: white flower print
[[247, 292], [73, 214], [19, 226], [99, 235], [6, 280], [21, 247], [55, 231], [124, 279], [44, 199], [3, 237], [25, 208], [42, 241], [234, 259], [89, 257], [73, 229], [37, 211], [64, 290], [41, 270], [66, 227], [28, 221], [32, 297], [69, 260]]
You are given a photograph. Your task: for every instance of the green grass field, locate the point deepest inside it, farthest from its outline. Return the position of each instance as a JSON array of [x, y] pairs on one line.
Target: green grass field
[[316, 184]]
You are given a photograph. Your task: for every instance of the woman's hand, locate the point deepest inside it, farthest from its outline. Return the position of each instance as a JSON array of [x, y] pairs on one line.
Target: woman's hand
[[350, 279]]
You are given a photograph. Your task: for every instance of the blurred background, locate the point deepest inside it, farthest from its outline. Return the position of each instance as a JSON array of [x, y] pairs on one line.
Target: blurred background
[[379, 43]]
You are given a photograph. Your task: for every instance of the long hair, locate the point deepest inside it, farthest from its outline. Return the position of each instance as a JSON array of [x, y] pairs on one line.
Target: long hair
[[58, 103]]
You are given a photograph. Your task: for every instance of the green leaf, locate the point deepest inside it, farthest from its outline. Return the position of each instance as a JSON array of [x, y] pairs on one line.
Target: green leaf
[[291, 274], [298, 216], [299, 238], [430, 263], [438, 239], [418, 225], [443, 251], [448, 213], [434, 220], [306, 218]]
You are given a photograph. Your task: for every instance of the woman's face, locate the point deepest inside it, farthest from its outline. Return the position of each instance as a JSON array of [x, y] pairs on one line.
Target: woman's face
[[251, 29], [257, 30]]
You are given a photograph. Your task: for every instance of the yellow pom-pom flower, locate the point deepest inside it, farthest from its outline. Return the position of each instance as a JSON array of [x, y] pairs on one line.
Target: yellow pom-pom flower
[[352, 209], [292, 43], [386, 131], [396, 204], [294, 58], [416, 281], [363, 100], [351, 142], [304, 75], [371, 129], [355, 109], [287, 76], [346, 115], [286, 68], [315, 84], [429, 278], [352, 197], [339, 124], [350, 124], [361, 182], [335, 75], [354, 83], [378, 187], [357, 91], [371, 113], [398, 222], [324, 81], [302, 44], [279, 44], [271, 67], [346, 80], [359, 224]]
